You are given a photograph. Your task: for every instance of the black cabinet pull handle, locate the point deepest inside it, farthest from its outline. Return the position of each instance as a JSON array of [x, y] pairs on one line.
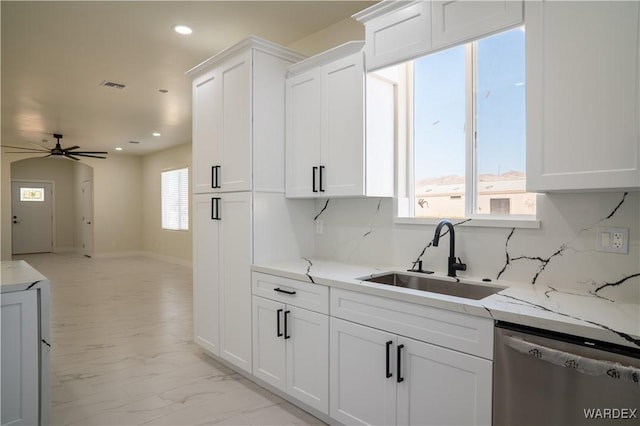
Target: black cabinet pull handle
[[286, 333], [215, 212], [215, 176], [278, 320], [279, 290], [313, 173], [400, 378], [321, 187], [389, 343]]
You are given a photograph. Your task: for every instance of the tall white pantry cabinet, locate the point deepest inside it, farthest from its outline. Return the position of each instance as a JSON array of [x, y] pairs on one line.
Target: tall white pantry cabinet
[[240, 214]]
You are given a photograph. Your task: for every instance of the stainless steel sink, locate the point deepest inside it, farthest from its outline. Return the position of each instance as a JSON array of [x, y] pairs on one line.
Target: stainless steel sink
[[435, 285]]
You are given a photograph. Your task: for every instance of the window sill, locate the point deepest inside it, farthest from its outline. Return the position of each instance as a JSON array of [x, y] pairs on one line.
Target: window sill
[[481, 222]]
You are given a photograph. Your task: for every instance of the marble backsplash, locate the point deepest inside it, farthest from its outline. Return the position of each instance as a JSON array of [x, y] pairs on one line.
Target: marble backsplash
[[560, 254]]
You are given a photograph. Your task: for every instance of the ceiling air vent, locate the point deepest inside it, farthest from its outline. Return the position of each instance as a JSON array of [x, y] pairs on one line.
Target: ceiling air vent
[[134, 142], [112, 85]]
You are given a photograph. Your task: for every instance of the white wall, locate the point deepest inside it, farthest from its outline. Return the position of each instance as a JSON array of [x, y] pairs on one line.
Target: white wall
[[117, 208], [341, 32], [175, 244], [81, 172], [363, 231], [61, 173]]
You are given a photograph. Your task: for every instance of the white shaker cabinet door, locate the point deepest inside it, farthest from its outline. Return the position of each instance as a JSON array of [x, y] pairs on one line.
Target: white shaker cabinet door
[[20, 359], [235, 278], [269, 349], [342, 149], [206, 276], [307, 341], [398, 36], [303, 125], [458, 21], [206, 132], [583, 112], [360, 391], [235, 103], [442, 387]]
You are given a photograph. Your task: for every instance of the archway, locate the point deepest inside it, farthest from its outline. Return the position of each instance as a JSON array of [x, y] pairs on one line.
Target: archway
[[71, 207]]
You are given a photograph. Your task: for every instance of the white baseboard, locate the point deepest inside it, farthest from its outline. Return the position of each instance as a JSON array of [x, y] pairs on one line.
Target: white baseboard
[[169, 259], [65, 250], [113, 254], [148, 254]]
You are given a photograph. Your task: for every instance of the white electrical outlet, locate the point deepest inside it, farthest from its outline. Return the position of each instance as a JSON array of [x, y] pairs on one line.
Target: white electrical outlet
[[613, 240], [319, 226]]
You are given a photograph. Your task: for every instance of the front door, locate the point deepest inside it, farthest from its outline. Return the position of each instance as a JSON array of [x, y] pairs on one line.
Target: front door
[[32, 217], [87, 218]]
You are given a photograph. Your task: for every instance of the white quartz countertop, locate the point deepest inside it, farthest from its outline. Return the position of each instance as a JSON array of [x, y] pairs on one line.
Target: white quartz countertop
[[561, 310], [18, 275]]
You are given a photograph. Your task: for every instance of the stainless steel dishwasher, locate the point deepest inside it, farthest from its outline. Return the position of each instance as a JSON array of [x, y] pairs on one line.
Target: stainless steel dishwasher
[[543, 378]]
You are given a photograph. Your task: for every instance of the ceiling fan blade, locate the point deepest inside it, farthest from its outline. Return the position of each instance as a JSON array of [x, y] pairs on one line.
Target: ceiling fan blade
[[21, 152], [26, 149], [71, 157], [88, 155], [89, 152], [71, 148]]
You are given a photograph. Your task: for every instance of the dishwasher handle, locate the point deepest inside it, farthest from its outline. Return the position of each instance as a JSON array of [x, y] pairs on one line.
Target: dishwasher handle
[[590, 366]]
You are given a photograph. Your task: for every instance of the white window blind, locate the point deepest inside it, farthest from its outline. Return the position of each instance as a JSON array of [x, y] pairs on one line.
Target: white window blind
[[175, 199]]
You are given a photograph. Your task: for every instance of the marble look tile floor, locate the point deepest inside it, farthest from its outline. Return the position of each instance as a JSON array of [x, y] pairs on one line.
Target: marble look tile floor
[[122, 350]]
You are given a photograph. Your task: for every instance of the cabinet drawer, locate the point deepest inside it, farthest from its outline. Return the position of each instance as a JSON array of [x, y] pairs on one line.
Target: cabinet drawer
[[314, 297], [454, 330]]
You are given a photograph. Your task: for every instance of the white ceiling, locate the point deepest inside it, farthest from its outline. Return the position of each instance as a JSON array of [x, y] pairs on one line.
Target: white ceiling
[[56, 54]]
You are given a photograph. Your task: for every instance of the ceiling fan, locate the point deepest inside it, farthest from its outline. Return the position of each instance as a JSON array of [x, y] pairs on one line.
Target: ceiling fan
[[58, 151]]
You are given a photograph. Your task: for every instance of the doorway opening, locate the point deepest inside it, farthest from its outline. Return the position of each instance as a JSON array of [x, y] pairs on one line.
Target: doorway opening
[[68, 224]]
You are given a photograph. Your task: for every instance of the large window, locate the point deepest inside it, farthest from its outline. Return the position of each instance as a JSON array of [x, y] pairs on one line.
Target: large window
[[468, 155], [175, 199]]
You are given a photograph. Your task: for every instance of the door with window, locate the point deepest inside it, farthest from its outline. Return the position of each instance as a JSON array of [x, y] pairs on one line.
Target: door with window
[[31, 217]]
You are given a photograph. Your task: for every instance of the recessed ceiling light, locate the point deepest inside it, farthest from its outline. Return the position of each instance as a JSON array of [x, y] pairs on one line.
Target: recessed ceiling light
[[182, 29], [156, 134], [118, 148]]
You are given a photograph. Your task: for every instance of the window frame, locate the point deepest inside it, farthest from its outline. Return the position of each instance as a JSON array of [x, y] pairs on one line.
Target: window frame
[[405, 201], [182, 226]]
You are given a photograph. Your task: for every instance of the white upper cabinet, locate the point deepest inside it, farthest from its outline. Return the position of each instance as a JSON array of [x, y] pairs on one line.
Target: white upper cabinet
[[342, 148], [328, 150], [396, 31], [582, 95], [303, 133], [454, 22], [234, 161], [238, 117], [205, 131]]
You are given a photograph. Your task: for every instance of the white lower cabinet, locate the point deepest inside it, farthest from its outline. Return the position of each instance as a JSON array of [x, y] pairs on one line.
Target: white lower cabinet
[[290, 343], [395, 362], [386, 379], [222, 275], [20, 363], [442, 386], [234, 213], [361, 392], [206, 277]]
